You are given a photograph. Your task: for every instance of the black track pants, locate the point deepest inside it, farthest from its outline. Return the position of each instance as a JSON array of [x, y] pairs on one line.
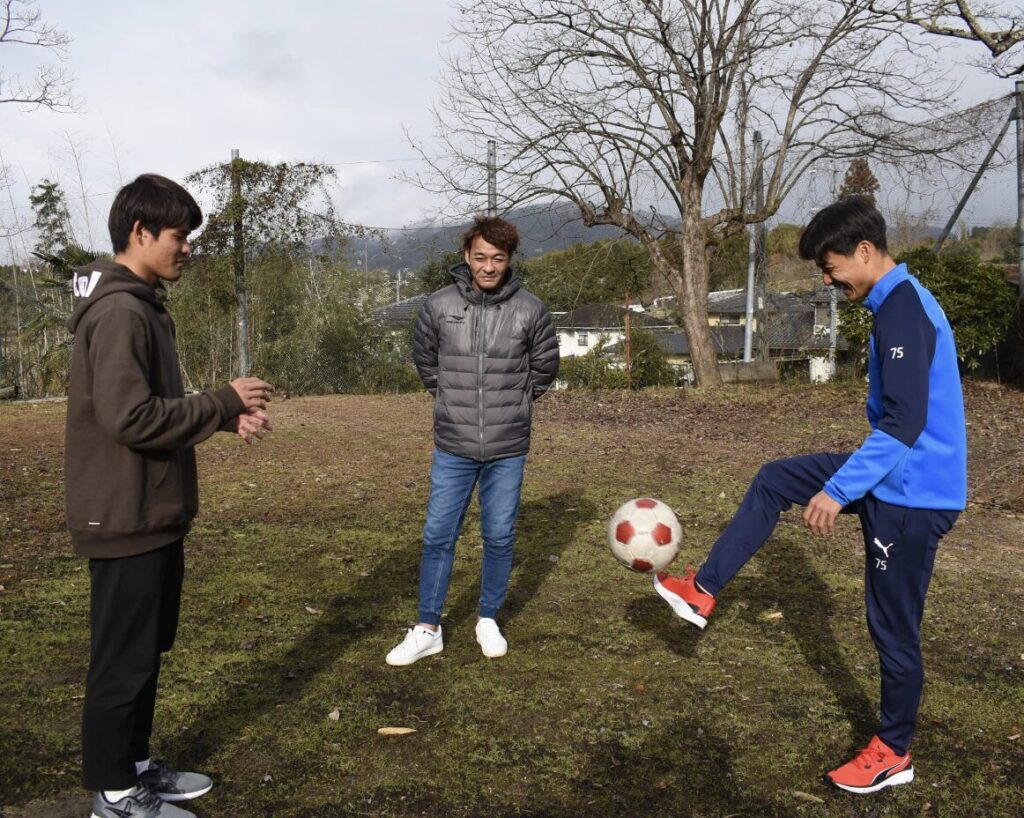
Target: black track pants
[[134, 603]]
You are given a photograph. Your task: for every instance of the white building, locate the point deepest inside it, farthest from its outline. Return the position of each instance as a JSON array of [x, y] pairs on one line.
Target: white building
[[580, 330]]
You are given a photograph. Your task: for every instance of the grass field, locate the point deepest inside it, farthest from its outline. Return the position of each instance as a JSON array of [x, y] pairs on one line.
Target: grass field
[[302, 572]]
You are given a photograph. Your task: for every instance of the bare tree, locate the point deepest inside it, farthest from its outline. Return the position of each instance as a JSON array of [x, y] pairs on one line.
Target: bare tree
[[999, 26], [639, 112], [21, 24]]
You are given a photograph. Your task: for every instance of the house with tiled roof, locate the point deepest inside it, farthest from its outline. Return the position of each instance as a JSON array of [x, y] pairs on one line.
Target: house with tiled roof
[[400, 314], [580, 330], [788, 327]]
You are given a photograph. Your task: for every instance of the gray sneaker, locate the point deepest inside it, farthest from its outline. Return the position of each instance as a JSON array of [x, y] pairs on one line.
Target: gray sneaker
[[140, 802], [170, 785]]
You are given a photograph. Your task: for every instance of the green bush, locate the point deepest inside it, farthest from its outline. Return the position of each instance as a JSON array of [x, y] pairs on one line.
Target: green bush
[[975, 297], [598, 369], [594, 370]]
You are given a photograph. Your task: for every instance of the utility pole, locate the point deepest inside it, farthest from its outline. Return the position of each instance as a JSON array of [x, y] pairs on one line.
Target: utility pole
[[241, 297], [3, 333], [977, 177], [760, 248], [748, 328], [755, 257], [833, 329], [492, 178], [629, 365], [1020, 189]]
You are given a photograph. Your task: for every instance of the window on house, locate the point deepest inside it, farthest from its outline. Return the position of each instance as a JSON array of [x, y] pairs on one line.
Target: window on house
[[582, 339]]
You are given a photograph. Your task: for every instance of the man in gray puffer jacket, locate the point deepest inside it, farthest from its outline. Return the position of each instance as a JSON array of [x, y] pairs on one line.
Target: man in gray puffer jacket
[[485, 349]]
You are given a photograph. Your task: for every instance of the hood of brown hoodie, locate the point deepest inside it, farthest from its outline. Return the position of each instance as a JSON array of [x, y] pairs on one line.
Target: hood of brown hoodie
[[93, 282]]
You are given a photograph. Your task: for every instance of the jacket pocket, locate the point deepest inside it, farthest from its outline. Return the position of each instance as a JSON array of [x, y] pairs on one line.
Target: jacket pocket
[[165, 492], [439, 402]]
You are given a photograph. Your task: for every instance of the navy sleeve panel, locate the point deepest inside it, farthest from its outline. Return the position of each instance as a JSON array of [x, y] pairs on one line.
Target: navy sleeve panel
[[905, 345], [903, 342]]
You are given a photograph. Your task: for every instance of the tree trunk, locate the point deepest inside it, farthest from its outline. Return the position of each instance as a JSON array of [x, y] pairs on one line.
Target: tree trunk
[[691, 286], [692, 297]]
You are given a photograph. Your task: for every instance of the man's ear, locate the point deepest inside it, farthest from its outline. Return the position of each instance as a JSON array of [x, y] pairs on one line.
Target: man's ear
[[135, 237]]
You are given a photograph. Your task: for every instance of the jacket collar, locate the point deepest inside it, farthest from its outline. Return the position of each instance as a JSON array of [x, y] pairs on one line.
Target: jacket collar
[[464, 281], [885, 285]]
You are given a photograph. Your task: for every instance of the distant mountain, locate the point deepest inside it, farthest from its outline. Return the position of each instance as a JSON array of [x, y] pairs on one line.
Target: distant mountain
[[542, 228]]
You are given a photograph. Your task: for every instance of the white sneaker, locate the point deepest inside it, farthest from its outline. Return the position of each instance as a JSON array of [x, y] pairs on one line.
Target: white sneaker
[[418, 642], [492, 643]]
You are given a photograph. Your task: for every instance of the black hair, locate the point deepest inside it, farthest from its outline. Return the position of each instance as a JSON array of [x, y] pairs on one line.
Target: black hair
[[840, 227], [157, 202], [500, 233]]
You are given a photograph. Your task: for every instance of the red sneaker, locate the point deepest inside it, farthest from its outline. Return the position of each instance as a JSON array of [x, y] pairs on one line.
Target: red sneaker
[[874, 767], [686, 599]]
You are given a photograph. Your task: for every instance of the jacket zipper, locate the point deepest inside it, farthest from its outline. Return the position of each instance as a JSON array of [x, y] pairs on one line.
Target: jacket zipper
[[481, 335]]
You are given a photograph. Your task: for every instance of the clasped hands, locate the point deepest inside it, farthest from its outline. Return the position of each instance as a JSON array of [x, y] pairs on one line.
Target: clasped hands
[[253, 422]]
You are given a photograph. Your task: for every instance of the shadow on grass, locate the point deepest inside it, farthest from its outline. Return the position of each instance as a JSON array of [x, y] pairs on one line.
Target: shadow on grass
[[23, 753], [683, 771], [791, 584], [653, 615], [546, 526], [806, 604], [348, 617]]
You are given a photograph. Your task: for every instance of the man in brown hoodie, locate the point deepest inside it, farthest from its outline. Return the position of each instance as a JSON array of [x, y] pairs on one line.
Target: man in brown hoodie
[[131, 487]]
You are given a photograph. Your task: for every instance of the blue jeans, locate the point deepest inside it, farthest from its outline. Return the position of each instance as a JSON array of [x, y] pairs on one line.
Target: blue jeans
[[452, 480]]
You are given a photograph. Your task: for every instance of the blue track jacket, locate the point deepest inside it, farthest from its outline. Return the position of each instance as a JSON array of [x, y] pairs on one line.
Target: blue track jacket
[[916, 454]]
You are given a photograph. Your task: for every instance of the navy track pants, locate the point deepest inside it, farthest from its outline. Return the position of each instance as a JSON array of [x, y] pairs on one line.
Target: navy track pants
[[899, 553]]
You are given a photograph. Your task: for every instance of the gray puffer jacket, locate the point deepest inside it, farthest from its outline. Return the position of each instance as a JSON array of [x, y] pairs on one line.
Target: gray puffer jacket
[[485, 357]]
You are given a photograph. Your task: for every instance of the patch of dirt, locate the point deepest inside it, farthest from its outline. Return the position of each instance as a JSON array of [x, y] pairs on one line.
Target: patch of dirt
[[65, 806]]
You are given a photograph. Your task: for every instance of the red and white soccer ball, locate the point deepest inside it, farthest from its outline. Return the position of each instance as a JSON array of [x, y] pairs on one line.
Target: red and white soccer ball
[[644, 535]]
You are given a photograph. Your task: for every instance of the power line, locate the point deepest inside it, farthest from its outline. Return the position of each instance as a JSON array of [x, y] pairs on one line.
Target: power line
[[372, 162]]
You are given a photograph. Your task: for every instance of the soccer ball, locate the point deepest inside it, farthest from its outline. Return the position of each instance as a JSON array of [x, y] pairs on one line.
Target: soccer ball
[[644, 535]]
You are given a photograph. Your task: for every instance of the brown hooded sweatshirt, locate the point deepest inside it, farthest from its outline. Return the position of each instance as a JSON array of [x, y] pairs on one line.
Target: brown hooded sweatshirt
[[130, 467]]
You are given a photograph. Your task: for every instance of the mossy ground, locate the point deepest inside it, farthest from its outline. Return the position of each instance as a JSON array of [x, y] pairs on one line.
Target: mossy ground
[[302, 573]]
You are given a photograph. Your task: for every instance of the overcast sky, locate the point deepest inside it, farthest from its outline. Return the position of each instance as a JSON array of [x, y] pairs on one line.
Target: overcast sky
[[173, 87]]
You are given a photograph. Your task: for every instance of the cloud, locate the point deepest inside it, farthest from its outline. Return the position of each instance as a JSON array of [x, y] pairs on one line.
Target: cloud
[[263, 58]]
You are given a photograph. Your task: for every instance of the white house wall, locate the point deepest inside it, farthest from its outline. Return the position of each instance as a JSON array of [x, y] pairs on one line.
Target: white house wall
[[568, 340]]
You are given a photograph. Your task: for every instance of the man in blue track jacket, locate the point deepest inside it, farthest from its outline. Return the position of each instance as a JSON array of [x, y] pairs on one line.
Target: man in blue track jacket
[[907, 482]]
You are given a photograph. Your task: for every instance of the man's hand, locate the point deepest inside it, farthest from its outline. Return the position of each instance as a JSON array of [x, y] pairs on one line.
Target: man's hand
[[254, 392], [254, 423], [820, 514]]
